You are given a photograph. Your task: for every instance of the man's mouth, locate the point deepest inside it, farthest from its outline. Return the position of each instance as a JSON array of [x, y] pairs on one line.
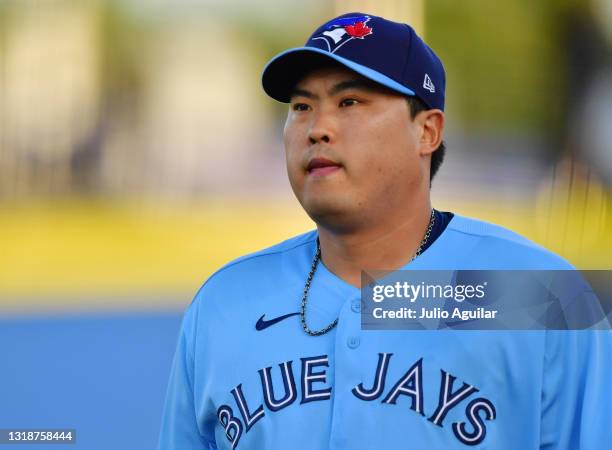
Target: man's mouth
[[322, 166]]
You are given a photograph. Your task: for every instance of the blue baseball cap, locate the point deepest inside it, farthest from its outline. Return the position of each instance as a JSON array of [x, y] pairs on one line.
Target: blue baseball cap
[[389, 53]]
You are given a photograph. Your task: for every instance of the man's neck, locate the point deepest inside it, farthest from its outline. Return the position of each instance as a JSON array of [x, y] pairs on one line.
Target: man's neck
[[379, 247]]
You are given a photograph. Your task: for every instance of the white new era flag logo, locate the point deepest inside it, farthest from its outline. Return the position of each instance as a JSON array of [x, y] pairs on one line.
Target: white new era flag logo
[[428, 84]]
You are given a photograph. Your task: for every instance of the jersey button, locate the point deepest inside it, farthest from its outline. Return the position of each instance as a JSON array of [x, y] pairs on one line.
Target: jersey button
[[356, 306], [353, 342]]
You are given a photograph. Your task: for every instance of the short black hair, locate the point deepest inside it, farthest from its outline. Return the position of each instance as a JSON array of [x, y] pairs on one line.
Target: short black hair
[[416, 106]]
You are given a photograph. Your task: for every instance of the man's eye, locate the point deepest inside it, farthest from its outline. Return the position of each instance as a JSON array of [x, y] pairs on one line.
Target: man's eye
[[348, 102], [300, 107]]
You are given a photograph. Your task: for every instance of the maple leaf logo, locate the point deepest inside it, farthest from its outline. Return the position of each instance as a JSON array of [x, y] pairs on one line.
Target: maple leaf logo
[[359, 30]]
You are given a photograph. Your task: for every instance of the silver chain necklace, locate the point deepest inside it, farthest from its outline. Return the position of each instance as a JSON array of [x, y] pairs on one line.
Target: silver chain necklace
[[313, 269]]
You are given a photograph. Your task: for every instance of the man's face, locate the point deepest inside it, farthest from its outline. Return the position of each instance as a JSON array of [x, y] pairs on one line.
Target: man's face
[[353, 152]]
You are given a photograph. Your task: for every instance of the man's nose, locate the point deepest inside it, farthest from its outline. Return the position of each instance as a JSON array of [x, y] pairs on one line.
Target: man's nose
[[322, 128]]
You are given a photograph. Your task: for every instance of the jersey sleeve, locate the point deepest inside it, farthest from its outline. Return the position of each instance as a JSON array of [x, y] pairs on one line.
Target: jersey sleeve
[[179, 428], [577, 390]]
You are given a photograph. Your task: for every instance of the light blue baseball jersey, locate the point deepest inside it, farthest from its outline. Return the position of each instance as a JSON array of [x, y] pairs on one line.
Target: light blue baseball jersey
[[234, 386]]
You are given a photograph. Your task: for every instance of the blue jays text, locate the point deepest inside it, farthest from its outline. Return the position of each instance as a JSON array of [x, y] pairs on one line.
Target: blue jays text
[[240, 417]]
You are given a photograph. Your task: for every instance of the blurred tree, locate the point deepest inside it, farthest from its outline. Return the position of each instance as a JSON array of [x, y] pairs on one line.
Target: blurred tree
[[504, 62]]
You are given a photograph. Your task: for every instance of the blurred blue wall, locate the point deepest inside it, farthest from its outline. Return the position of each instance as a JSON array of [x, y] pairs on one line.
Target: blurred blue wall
[[104, 375]]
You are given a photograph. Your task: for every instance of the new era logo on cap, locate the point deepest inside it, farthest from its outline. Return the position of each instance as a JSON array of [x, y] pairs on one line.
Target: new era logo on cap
[[389, 53], [428, 84]]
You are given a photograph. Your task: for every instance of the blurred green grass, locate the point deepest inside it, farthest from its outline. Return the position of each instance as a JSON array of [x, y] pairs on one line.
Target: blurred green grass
[[70, 250], [58, 255]]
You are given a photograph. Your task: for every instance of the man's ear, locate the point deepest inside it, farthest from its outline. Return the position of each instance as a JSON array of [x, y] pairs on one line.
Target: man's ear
[[432, 126]]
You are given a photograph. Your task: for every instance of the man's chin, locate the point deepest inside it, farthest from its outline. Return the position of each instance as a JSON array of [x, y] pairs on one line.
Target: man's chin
[[333, 214]]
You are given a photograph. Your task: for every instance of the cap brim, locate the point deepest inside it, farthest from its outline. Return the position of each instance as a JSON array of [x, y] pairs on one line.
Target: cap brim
[[283, 72]]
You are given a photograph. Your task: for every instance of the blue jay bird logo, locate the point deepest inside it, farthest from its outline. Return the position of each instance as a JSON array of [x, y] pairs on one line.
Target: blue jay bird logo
[[340, 31]]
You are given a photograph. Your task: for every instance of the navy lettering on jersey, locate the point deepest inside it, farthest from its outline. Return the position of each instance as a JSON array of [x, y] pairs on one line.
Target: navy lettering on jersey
[[472, 412], [379, 380], [411, 384], [314, 387], [449, 399], [249, 418], [288, 382], [309, 377], [232, 426]]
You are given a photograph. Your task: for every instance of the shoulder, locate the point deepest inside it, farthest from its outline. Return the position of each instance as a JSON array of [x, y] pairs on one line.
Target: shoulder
[[494, 246], [262, 258], [231, 293], [480, 228], [259, 272]]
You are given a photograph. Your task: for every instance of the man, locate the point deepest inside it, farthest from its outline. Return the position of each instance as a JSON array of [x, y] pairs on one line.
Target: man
[[271, 353]]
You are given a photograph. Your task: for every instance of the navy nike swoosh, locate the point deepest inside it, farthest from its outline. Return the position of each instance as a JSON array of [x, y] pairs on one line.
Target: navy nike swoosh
[[263, 324]]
